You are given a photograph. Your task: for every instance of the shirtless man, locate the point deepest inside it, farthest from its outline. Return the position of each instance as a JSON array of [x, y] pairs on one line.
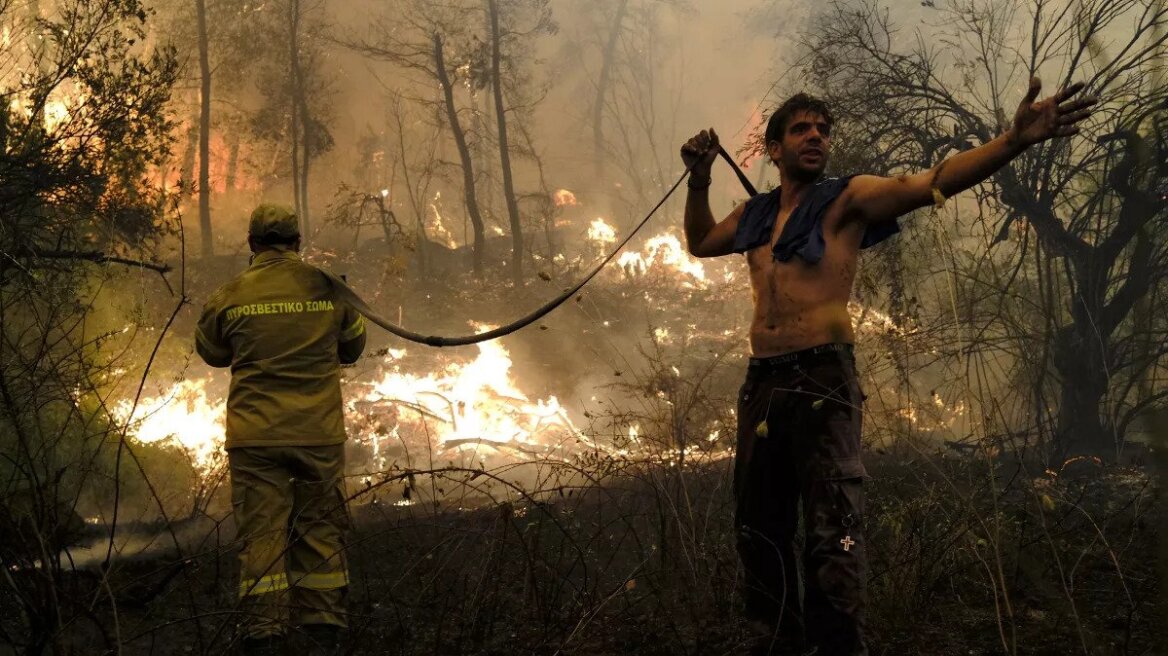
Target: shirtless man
[[799, 411]]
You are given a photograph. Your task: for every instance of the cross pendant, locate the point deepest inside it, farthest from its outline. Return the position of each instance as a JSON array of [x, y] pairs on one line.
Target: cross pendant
[[847, 542]]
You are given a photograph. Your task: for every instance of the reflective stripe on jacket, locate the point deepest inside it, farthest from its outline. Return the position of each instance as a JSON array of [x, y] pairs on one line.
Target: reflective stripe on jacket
[[281, 328]]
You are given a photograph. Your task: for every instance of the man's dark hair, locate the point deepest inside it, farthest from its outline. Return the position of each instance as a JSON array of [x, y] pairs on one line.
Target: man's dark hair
[[800, 102]]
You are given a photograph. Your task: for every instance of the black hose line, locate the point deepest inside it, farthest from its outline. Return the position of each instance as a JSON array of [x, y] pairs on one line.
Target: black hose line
[[750, 190], [347, 294]]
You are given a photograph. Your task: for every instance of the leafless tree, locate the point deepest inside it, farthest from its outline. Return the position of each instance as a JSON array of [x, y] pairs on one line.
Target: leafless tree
[[636, 98], [436, 43], [222, 34], [418, 173], [509, 39], [1095, 202]]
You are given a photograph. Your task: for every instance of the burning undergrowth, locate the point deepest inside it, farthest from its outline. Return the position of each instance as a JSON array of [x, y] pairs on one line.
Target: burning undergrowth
[[639, 367], [580, 387]]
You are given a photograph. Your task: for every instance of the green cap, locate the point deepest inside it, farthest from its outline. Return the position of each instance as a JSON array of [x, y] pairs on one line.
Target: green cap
[[271, 222]]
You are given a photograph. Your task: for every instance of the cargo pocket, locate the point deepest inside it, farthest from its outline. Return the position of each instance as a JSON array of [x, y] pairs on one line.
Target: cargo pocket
[[837, 492], [844, 482], [832, 421], [836, 536], [836, 568]]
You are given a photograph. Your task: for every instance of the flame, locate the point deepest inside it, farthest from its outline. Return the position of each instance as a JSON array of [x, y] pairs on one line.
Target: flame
[[454, 411], [664, 252], [632, 264], [476, 402], [244, 177], [59, 108], [434, 228], [563, 197], [56, 113], [876, 320], [601, 232], [940, 416], [183, 417], [668, 249], [464, 404]]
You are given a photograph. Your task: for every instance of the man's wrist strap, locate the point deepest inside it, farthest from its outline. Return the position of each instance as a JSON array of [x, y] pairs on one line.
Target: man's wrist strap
[[698, 181]]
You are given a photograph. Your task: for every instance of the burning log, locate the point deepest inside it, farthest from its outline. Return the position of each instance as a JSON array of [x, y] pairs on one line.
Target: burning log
[[518, 447]]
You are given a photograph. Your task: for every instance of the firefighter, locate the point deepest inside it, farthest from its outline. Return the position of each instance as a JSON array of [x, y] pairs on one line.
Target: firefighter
[[281, 328]]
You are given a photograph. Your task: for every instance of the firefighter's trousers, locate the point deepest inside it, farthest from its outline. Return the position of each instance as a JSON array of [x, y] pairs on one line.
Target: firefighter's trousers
[[289, 504]]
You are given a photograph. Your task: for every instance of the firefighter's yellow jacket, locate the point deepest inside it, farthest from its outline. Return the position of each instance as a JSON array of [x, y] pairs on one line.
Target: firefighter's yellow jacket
[[284, 333]]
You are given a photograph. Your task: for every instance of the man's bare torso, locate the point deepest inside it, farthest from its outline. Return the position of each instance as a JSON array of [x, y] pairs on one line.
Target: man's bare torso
[[799, 305]]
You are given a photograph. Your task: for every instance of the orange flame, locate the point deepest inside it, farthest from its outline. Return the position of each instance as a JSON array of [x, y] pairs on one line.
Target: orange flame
[[601, 232], [469, 403], [563, 197], [664, 252], [477, 401], [184, 417]]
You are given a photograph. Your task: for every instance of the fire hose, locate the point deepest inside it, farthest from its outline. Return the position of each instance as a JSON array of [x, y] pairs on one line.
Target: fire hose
[[346, 293]]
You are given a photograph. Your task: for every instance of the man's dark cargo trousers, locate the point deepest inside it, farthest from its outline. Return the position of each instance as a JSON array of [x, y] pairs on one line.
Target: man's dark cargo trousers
[[799, 418]]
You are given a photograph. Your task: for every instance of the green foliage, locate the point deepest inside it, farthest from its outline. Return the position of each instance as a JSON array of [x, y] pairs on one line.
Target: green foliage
[[85, 125], [83, 129], [271, 73]]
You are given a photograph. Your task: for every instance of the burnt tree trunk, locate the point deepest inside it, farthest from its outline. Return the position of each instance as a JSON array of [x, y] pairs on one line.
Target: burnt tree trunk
[[295, 131], [306, 158], [504, 152], [204, 132], [187, 169], [602, 90], [1081, 356], [232, 160], [468, 178], [1083, 351]]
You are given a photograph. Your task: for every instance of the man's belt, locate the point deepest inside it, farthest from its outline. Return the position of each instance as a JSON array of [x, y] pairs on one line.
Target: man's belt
[[795, 356]]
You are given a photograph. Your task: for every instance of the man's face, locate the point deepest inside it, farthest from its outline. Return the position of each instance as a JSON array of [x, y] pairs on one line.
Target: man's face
[[802, 154]]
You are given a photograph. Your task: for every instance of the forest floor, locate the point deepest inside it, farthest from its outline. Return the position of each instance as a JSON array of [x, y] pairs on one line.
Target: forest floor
[[962, 562]]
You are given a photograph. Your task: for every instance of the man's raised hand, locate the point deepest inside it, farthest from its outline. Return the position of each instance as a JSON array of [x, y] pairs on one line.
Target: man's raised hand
[[1056, 116], [700, 152]]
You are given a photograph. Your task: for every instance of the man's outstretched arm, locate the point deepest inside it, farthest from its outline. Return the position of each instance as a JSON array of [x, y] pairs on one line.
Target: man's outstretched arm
[[703, 236], [873, 199]]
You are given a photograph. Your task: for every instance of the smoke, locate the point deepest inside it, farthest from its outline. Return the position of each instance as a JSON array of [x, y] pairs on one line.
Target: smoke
[[152, 541], [624, 352]]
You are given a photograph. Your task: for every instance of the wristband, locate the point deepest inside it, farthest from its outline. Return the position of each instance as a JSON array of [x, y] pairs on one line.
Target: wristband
[[703, 182]]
